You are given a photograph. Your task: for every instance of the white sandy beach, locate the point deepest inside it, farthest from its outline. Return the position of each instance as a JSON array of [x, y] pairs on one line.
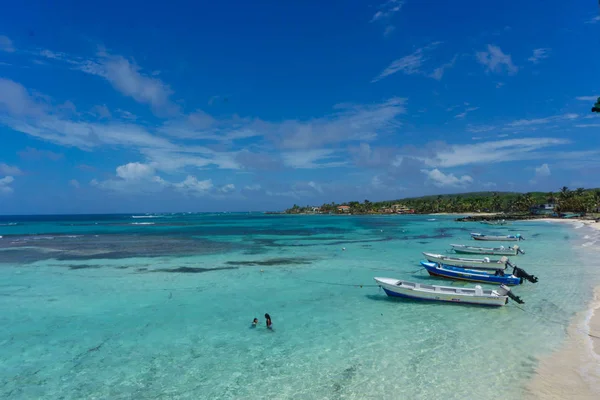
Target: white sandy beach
[[573, 372]]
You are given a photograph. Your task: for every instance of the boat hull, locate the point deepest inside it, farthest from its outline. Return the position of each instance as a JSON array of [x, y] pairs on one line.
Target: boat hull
[[400, 291], [461, 274], [466, 262], [482, 250], [495, 238]]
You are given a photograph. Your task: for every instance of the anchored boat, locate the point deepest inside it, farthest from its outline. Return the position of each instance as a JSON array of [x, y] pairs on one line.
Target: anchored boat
[[464, 274], [475, 263], [499, 251], [477, 295], [492, 238]]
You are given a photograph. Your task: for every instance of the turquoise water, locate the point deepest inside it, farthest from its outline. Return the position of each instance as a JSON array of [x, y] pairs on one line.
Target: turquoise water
[[103, 307]]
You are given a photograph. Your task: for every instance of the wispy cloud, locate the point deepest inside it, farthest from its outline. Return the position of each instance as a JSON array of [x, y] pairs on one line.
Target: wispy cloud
[[587, 126], [6, 44], [74, 183], [438, 178], [496, 61], [588, 98], [593, 20], [125, 76], [410, 64], [350, 124], [464, 113], [490, 152], [310, 159], [387, 9], [542, 121], [499, 85], [389, 30], [438, 73], [539, 54]]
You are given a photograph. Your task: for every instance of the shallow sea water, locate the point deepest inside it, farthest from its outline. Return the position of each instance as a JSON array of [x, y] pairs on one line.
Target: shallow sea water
[[104, 308]]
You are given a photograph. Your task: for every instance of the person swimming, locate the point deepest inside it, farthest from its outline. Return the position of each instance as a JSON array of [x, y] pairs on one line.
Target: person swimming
[[254, 323], [269, 322]]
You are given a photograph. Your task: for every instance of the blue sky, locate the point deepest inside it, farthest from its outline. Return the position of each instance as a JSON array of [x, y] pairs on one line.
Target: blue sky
[[191, 106]]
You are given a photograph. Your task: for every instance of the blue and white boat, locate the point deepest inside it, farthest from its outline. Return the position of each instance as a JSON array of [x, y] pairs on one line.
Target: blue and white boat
[[420, 291], [463, 274], [492, 238]]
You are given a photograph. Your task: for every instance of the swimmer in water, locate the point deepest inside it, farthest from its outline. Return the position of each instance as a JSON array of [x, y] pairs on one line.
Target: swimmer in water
[[269, 322], [254, 323]]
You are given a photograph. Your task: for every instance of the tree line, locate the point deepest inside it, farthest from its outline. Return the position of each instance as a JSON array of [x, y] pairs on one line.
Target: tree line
[[565, 200]]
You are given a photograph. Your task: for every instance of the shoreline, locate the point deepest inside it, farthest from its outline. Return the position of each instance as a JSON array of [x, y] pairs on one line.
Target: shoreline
[[573, 370]]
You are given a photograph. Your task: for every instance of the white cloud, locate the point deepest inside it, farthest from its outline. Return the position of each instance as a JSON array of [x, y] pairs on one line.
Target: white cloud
[[410, 64], [230, 187], [438, 73], [438, 178], [16, 100], [6, 44], [587, 126], [126, 77], [387, 9], [542, 121], [74, 183], [539, 54], [192, 185], [134, 171], [480, 128], [587, 98], [542, 171], [464, 113], [351, 123], [6, 169], [388, 30], [496, 61], [137, 178], [254, 187], [490, 152], [593, 20], [5, 184], [499, 85], [308, 159]]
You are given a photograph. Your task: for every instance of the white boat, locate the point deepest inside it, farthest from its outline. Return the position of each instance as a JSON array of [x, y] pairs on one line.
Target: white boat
[[492, 238], [478, 263], [499, 251], [501, 222], [420, 291]]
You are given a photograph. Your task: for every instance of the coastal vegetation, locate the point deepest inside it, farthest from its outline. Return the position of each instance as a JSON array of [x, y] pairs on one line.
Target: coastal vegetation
[[563, 201]]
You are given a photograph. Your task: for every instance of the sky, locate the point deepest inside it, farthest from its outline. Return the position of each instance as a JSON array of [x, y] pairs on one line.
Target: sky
[[249, 106]]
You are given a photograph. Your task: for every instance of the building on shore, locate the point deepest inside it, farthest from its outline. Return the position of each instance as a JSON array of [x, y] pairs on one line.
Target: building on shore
[[543, 209], [344, 209]]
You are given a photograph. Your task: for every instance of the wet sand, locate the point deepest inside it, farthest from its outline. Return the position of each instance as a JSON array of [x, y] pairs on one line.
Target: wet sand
[[573, 372]]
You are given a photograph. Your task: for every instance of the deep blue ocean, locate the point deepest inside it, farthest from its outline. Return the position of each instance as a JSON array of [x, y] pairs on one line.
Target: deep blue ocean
[[160, 306]]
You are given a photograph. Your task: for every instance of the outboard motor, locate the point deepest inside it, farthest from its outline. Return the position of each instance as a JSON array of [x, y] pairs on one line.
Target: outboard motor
[[504, 290], [521, 273], [520, 237], [519, 250]]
